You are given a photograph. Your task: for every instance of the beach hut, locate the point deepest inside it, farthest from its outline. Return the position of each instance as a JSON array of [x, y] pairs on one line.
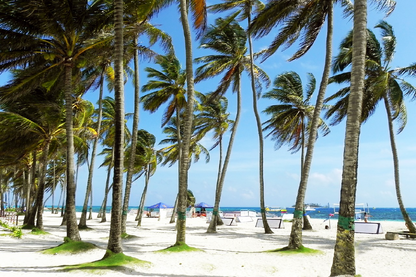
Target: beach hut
[[160, 210]]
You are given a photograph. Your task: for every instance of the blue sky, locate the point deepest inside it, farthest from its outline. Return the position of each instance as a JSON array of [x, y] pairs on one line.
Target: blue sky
[[281, 168]]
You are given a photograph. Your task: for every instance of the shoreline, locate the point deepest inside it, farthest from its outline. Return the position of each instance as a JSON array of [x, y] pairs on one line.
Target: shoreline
[[232, 251]]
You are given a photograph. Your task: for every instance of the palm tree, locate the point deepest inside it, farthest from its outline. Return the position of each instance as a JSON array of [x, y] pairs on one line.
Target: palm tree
[[31, 124], [53, 37], [146, 163], [382, 84], [114, 240], [108, 137], [344, 253], [306, 18], [290, 120], [228, 39], [168, 86], [246, 9], [137, 20]]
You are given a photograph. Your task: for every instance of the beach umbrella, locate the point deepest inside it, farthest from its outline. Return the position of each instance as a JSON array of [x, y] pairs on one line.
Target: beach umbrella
[[160, 205], [203, 205]]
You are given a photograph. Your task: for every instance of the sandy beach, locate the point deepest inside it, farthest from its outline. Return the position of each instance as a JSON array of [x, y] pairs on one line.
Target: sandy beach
[[232, 251]]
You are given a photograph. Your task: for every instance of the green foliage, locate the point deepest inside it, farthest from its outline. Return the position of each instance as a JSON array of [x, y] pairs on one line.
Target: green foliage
[[301, 250], [127, 236], [179, 247], [15, 231], [71, 247]]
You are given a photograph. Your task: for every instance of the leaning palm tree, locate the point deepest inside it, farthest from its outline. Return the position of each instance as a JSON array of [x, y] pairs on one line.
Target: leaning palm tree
[[147, 159], [244, 12], [291, 118], [53, 39], [137, 15], [306, 18], [228, 39], [382, 84]]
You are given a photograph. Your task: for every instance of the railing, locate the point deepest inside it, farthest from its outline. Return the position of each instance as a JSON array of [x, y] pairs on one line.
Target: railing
[[10, 217]]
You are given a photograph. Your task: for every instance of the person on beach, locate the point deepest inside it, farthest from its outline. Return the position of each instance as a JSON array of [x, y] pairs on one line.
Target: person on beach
[[366, 216]]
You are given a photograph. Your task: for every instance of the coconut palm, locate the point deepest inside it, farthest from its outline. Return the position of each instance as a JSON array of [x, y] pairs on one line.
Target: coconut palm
[[228, 39], [290, 119], [382, 84], [53, 38], [244, 12], [146, 163], [108, 138], [114, 240]]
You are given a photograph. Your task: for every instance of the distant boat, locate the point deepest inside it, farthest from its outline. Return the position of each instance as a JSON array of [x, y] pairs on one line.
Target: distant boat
[[309, 208], [273, 209]]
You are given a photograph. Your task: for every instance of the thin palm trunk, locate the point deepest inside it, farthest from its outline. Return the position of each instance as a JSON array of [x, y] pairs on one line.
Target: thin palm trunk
[[143, 198], [83, 221], [41, 186], [406, 216], [114, 241], [130, 169], [267, 228], [295, 240], [344, 252], [179, 137], [216, 219], [70, 212], [213, 223], [184, 162], [107, 190]]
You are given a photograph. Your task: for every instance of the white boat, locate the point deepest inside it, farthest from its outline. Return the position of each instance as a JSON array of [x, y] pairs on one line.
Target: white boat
[[309, 208]]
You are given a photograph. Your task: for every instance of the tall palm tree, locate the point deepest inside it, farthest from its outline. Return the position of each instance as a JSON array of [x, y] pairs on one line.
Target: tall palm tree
[[108, 137], [382, 84], [228, 39], [306, 18], [53, 37], [244, 13], [291, 118], [114, 240], [168, 86], [137, 14], [214, 118]]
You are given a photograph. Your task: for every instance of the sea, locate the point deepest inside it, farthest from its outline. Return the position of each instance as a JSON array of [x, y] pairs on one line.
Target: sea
[[389, 214]]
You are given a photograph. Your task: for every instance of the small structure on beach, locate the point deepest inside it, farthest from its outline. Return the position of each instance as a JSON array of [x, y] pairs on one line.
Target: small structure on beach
[[160, 210]]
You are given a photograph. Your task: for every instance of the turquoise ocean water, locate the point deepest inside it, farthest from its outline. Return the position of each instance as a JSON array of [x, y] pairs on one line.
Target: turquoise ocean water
[[393, 214]]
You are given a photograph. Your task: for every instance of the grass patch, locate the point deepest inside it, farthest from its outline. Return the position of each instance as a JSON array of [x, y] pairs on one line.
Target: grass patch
[[37, 231], [127, 236], [301, 250], [70, 247], [111, 261], [179, 247]]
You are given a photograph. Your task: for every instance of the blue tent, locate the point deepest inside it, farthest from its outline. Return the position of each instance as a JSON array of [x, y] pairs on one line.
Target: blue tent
[[159, 205], [203, 205]]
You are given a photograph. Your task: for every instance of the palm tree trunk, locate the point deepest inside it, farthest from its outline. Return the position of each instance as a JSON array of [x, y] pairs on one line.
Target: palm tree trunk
[[130, 169], [83, 221], [114, 240], [184, 162], [179, 136], [406, 216], [143, 198], [107, 190], [295, 240], [215, 220], [344, 252], [41, 186], [267, 228], [70, 213]]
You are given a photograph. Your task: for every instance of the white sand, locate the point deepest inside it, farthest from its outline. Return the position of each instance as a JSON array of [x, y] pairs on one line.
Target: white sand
[[232, 251]]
